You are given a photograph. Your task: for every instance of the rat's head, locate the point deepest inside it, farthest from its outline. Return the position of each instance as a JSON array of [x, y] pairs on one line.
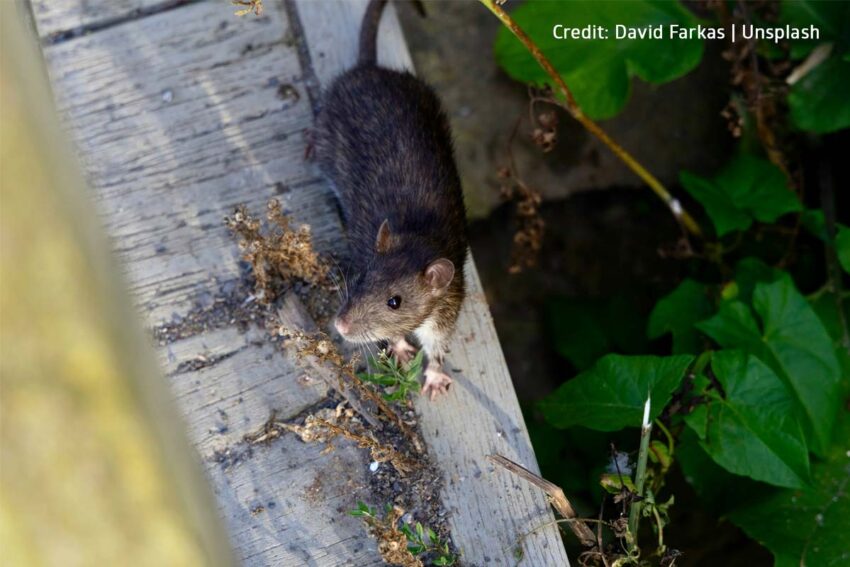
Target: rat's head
[[396, 292]]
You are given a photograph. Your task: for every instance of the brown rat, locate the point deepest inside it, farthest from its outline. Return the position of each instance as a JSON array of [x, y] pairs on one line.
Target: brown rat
[[384, 141]]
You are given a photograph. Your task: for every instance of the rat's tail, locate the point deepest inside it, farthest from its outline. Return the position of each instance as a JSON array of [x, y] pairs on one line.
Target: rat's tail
[[369, 32]]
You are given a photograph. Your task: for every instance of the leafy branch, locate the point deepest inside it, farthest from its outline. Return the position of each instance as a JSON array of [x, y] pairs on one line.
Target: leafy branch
[[571, 106]]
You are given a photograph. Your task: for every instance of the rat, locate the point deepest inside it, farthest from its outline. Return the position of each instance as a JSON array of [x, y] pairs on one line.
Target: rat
[[383, 140]]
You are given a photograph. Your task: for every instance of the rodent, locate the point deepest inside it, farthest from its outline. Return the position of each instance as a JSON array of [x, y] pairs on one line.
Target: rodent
[[384, 141]]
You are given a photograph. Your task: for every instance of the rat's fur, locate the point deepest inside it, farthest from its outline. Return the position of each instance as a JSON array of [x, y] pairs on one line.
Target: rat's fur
[[384, 141]]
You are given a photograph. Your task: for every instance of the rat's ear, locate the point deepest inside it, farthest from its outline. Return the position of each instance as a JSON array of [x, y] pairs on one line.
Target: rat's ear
[[382, 242], [439, 273]]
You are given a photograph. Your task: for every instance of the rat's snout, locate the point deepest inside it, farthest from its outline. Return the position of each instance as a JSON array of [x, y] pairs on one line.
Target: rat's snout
[[343, 324]]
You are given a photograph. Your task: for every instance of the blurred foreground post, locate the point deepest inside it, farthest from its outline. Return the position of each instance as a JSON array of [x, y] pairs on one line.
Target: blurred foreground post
[[96, 469]]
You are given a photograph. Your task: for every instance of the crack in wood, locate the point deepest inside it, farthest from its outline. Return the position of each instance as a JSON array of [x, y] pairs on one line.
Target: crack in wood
[[63, 35]]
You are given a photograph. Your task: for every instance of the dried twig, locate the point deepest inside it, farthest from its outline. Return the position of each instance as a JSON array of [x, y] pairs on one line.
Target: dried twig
[[556, 495]]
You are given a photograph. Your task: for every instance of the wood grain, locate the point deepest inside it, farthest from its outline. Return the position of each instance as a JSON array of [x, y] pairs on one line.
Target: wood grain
[[60, 16], [178, 116], [491, 513]]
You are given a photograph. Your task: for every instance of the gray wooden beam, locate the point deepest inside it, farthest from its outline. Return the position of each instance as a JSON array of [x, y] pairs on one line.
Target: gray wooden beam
[[180, 114]]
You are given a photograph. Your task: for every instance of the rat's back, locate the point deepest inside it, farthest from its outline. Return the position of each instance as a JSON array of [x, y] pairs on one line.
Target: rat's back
[[385, 143]]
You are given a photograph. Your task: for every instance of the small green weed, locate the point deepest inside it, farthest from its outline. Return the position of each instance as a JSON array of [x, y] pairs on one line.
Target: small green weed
[[397, 382], [422, 542]]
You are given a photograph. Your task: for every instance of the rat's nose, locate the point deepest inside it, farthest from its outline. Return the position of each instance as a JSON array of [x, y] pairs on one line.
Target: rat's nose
[[343, 325]]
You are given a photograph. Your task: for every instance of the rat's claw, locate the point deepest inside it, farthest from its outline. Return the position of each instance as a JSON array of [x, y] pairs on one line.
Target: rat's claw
[[403, 351], [436, 383]]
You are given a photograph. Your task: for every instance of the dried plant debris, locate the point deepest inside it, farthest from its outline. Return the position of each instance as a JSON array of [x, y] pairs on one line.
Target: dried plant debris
[[392, 543], [759, 88], [397, 475], [400, 541], [249, 6], [326, 424], [292, 296], [322, 350], [528, 239], [279, 254]]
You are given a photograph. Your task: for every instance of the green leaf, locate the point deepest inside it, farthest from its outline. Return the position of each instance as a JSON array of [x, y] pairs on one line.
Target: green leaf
[[746, 188], [831, 18], [612, 394], [793, 342], [842, 248], [678, 312], [825, 306], [614, 483], [819, 101], [719, 490], [599, 71], [751, 271], [753, 430], [813, 221], [808, 527], [722, 211]]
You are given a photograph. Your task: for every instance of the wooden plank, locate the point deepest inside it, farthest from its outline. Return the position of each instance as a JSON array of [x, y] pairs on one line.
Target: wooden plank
[[177, 117], [489, 511], [55, 17], [96, 469], [229, 382]]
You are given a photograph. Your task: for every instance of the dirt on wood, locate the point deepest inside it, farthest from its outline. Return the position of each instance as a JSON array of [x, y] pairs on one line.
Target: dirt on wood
[[280, 261]]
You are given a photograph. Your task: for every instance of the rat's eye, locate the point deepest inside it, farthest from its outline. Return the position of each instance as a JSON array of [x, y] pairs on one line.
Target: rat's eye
[[394, 302]]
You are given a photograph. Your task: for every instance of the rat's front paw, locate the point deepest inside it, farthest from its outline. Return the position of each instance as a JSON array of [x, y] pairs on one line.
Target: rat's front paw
[[436, 382], [403, 351]]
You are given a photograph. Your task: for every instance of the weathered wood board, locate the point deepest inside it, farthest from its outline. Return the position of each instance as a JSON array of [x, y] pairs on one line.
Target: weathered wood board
[[179, 112]]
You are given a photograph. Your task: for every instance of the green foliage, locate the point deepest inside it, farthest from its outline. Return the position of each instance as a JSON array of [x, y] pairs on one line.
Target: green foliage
[[599, 72], [422, 541], [746, 188], [808, 527], [814, 222], [719, 489], [831, 18], [819, 101], [752, 428], [678, 312], [425, 540], [611, 395], [793, 342], [742, 421], [749, 272], [363, 510], [397, 381]]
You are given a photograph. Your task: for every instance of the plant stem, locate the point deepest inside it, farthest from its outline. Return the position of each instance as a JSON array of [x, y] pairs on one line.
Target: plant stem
[[640, 474], [572, 107]]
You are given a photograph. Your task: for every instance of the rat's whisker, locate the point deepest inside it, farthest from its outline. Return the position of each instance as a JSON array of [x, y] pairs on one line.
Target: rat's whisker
[[336, 284], [344, 288]]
